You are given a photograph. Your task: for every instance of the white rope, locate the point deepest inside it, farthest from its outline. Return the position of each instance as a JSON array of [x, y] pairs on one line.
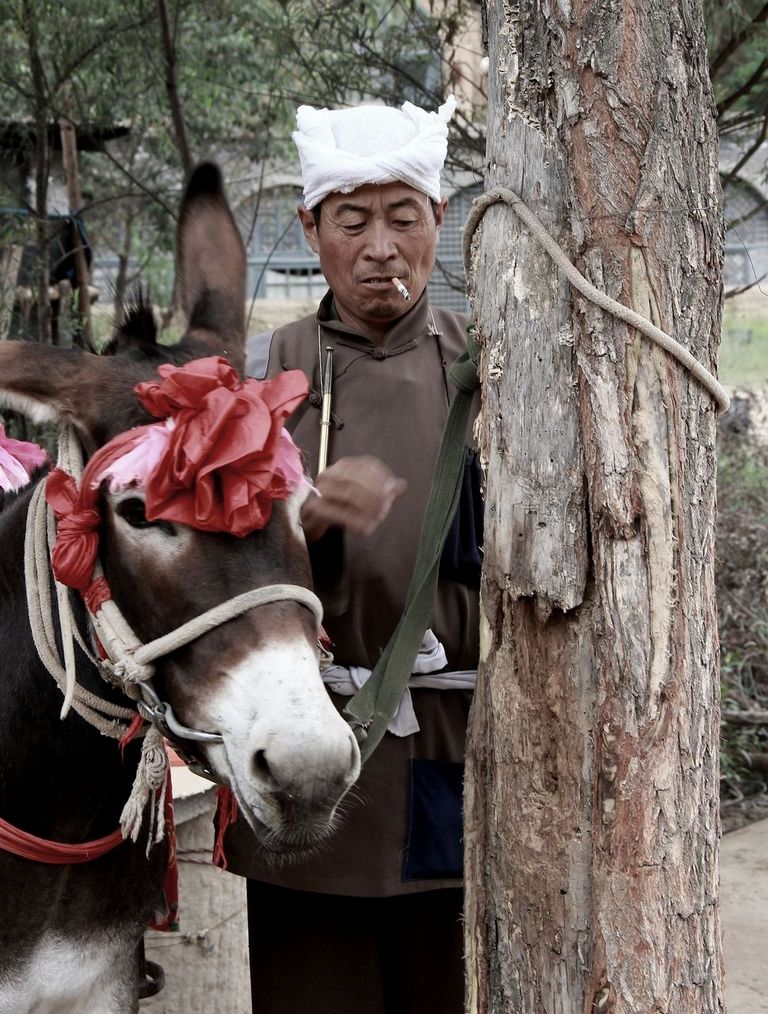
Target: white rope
[[108, 718], [151, 779], [226, 611], [579, 282]]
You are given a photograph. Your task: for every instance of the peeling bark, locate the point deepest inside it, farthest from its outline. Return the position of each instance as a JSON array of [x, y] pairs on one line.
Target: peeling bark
[[591, 809]]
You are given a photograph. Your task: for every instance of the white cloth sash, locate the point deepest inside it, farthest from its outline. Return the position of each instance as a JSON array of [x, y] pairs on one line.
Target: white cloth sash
[[347, 680]]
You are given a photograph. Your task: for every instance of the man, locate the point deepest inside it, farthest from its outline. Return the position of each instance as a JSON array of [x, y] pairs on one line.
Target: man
[[371, 925]]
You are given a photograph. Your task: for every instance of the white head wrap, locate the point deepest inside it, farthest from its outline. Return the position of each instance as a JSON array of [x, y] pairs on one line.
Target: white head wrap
[[343, 149]]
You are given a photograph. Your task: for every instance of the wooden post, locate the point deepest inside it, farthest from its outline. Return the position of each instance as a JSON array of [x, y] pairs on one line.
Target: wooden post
[[84, 337], [591, 808], [64, 318], [10, 262]]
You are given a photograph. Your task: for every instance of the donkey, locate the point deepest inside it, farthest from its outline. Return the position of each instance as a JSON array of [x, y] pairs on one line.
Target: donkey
[[69, 931]]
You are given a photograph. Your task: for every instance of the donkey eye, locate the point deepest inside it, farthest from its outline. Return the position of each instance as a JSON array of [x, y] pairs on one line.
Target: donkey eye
[[132, 511]]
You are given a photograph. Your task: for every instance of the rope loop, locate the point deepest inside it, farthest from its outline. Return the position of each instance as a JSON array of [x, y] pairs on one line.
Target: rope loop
[[503, 195]]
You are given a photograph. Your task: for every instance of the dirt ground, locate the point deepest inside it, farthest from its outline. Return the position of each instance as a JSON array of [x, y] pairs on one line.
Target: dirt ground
[[744, 909]]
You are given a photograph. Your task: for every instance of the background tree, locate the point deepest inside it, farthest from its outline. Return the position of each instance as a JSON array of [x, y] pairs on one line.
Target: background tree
[[239, 71], [591, 815], [738, 44]]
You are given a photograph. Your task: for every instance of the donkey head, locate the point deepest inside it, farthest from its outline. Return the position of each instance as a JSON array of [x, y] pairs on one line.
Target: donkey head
[[254, 680]]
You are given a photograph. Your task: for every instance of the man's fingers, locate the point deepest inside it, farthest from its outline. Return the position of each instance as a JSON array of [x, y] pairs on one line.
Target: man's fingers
[[355, 493]]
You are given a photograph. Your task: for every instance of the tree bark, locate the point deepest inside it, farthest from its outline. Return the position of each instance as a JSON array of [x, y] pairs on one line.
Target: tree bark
[[591, 806]]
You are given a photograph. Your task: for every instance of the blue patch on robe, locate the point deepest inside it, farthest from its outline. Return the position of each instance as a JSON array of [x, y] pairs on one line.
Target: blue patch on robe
[[435, 846]]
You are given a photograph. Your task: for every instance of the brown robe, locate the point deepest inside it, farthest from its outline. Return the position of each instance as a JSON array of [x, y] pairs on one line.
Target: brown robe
[[390, 401]]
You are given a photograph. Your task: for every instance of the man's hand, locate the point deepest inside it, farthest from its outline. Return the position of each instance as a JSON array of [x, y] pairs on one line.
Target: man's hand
[[355, 493]]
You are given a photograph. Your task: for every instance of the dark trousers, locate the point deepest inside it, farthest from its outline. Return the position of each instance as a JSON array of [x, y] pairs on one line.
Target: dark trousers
[[326, 954]]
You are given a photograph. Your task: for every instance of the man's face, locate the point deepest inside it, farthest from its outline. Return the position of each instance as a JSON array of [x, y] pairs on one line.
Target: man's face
[[368, 237]]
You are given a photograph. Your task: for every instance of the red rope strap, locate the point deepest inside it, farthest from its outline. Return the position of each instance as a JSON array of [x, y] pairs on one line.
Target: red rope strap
[[226, 815], [29, 846]]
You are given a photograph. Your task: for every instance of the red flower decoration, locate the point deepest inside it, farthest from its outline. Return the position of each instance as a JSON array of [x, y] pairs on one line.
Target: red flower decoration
[[220, 471], [227, 458]]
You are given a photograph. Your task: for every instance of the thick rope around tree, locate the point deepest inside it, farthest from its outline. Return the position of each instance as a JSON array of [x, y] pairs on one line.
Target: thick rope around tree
[[504, 195]]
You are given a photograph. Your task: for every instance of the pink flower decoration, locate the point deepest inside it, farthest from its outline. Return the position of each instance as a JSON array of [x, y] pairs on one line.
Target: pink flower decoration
[[288, 466], [135, 466], [18, 459]]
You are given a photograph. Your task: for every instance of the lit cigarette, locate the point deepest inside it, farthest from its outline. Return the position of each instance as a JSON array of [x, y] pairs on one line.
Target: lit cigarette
[[401, 289]]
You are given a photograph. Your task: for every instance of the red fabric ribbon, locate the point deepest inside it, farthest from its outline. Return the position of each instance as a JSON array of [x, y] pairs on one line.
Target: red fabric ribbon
[[225, 817], [77, 532], [166, 918], [96, 594], [137, 724]]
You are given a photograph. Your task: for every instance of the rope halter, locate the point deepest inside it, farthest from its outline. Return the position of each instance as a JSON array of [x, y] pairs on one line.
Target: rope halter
[[129, 663]]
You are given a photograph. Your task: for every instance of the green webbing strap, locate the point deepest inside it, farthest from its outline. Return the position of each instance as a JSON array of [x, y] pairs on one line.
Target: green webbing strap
[[374, 706]]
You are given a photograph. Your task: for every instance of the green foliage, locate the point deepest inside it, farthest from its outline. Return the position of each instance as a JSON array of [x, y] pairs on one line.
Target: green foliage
[[742, 584], [744, 348], [737, 33], [738, 49], [241, 70]]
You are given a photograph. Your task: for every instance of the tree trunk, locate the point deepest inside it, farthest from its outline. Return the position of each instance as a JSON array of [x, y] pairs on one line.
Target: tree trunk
[[591, 808], [84, 333], [10, 262], [172, 88], [124, 259], [42, 166]]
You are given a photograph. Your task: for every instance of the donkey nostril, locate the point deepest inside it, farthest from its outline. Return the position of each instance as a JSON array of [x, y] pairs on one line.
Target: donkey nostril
[[261, 766]]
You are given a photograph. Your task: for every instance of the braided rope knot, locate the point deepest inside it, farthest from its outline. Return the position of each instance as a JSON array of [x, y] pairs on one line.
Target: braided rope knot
[[128, 670]]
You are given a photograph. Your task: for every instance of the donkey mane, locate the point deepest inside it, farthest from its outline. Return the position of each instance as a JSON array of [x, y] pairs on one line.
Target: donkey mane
[[134, 334]]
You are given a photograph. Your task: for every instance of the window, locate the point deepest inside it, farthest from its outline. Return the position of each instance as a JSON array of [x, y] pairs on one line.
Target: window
[[280, 264], [746, 238]]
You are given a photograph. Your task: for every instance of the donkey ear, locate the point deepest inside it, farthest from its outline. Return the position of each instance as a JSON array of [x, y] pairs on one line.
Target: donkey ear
[[53, 385], [210, 265]]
